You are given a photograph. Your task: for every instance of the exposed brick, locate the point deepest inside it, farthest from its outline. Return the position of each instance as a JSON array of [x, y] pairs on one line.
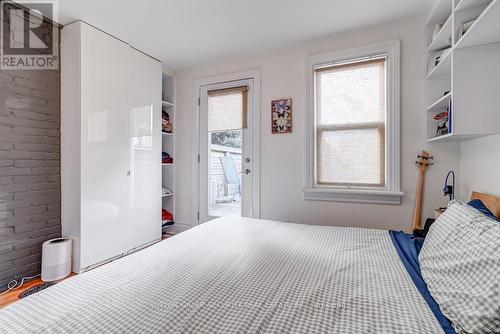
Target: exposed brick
[[31, 179], [52, 222], [32, 123], [6, 233], [29, 83], [46, 216], [37, 163], [17, 273], [46, 186], [5, 249], [6, 146], [28, 115], [30, 155], [6, 163], [13, 221], [44, 170], [17, 138], [6, 180], [30, 195], [8, 171], [6, 265], [53, 133], [6, 129], [15, 188], [27, 260], [30, 227], [6, 215], [43, 200], [15, 204], [30, 131], [36, 147], [37, 194], [32, 211]]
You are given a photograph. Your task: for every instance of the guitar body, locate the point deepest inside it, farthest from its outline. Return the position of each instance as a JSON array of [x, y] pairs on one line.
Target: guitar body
[[423, 162]]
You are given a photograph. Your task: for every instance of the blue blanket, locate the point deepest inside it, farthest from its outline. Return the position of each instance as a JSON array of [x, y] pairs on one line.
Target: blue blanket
[[408, 248]]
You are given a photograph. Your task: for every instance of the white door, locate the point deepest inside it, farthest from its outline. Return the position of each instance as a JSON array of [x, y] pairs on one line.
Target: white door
[[144, 96], [226, 150], [104, 148]]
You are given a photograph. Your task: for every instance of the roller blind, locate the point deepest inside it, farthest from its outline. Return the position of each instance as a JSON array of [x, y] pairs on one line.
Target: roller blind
[[227, 109], [350, 104]]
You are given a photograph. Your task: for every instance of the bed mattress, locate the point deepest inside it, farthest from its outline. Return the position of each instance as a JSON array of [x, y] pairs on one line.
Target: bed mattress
[[238, 275]]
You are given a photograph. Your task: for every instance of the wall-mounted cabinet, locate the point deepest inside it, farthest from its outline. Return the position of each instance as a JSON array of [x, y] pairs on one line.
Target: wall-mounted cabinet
[[463, 70]]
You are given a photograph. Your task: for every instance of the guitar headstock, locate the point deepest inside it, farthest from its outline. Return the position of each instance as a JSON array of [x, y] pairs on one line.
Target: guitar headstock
[[424, 160]]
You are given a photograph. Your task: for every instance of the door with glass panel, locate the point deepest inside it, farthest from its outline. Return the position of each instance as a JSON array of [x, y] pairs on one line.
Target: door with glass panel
[[226, 151]]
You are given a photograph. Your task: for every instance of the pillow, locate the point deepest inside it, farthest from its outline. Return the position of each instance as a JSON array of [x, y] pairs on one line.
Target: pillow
[[478, 205], [460, 262]]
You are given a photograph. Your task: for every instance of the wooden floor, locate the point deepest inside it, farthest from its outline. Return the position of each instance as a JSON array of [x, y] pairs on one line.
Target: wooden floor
[[13, 295]]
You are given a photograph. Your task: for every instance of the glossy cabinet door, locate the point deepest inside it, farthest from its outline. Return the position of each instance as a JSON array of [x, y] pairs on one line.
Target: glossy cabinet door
[[105, 162], [145, 149]]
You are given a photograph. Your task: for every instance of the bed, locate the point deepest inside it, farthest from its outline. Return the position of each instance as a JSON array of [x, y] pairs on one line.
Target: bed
[[244, 276]]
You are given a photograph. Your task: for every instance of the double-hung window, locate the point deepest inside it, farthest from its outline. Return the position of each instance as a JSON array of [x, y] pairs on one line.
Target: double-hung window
[[354, 125]]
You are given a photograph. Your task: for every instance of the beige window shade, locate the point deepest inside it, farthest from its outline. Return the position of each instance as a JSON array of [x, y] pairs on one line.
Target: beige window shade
[[350, 123], [227, 109]]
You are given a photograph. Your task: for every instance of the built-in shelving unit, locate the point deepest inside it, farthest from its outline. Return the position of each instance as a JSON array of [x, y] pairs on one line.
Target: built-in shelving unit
[[464, 80], [168, 146]]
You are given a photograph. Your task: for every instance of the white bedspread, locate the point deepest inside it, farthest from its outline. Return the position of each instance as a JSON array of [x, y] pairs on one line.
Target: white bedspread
[[238, 276]]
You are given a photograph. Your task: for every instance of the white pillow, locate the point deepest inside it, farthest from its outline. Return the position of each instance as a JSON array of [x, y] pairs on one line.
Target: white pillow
[[460, 262]]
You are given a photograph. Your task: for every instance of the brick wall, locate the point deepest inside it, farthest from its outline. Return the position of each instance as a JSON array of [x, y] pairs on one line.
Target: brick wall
[[29, 169]]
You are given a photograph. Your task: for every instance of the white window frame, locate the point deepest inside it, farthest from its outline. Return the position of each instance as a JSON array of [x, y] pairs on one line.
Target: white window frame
[[391, 193]]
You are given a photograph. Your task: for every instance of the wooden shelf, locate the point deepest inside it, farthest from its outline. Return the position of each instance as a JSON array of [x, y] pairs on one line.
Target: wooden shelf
[[441, 104], [442, 39], [486, 29], [167, 104], [467, 4], [169, 164], [443, 68], [167, 195], [167, 134]]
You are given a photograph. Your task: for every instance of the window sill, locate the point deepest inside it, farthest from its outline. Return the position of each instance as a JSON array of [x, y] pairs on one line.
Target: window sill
[[353, 195]]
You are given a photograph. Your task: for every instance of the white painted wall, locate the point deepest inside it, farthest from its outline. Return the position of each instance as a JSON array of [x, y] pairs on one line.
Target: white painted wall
[[284, 75], [479, 166]]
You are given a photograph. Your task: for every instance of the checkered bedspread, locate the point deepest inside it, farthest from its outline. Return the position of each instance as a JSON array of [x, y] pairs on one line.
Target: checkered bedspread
[[238, 276]]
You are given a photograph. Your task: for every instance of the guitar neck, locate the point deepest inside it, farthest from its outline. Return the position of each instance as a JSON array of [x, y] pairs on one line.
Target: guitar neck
[[417, 214]]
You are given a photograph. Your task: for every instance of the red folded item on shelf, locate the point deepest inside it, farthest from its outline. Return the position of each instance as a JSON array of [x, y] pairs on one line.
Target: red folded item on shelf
[[165, 215]]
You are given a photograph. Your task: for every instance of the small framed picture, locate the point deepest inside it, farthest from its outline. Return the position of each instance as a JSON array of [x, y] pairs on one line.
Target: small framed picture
[[281, 116]]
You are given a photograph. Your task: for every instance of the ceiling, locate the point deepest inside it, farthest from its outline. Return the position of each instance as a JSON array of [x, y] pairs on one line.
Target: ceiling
[[183, 33]]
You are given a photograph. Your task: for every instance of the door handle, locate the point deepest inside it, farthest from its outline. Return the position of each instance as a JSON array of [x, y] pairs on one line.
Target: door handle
[[246, 171]]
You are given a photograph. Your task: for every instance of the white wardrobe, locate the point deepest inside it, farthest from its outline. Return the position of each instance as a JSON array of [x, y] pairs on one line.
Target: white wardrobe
[[110, 146]]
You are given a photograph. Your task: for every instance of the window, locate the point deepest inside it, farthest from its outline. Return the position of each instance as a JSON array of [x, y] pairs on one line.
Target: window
[[354, 126]]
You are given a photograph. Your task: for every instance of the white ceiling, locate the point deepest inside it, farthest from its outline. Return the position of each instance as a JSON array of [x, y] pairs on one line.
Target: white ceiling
[[184, 33]]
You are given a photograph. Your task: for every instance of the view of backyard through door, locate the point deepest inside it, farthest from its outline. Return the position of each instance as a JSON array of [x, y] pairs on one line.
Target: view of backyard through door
[[225, 179], [226, 150]]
